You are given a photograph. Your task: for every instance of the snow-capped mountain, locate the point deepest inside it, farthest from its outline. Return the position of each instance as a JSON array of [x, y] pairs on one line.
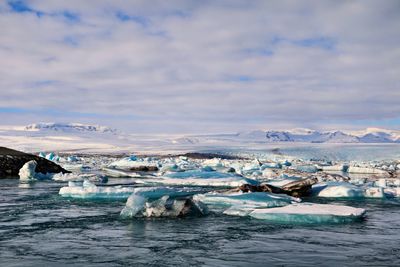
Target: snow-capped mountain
[[69, 128], [311, 136]]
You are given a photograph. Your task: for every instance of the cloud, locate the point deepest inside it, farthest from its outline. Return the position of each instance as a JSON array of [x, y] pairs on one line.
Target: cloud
[[179, 66]]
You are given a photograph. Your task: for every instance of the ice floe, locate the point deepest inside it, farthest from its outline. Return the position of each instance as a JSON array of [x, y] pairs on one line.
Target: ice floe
[[309, 213], [88, 190], [246, 200]]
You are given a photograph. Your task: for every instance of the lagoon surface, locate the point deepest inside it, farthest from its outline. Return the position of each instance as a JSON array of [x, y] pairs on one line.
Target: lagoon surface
[[40, 228]]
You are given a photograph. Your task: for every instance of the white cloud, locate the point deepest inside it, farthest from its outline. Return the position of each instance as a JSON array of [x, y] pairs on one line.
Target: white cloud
[[202, 66]]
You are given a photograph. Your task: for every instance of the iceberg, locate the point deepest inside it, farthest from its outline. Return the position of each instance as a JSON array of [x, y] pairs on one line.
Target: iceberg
[[160, 191], [309, 213], [365, 170], [139, 206], [211, 182], [65, 177], [214, 162], [88, 190], [306, 168], [335, 168], [118, 173], [254, 199], [204, 174], [131, 162], [199, 178], [271, 165], [28, 173], [347, 190]]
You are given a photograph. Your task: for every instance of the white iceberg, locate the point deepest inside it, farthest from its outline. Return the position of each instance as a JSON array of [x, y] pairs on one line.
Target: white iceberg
[[118, 173], [309, 213], [139, 206], [211, 182], [131, 162], [199, 178], [65, 177], [347, 190], [88, 190], [255, 199], [335, 168], [366, 170], [28, 173]]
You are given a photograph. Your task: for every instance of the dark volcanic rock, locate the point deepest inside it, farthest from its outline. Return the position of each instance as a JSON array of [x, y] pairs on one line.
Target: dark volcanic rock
[[11, 161], [144, 169]]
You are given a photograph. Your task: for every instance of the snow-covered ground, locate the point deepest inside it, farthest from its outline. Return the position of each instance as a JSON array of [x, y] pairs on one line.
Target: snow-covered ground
[[75, 137]]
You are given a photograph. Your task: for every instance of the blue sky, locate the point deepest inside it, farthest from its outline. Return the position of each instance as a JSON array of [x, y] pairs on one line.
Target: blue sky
[[201, 66]]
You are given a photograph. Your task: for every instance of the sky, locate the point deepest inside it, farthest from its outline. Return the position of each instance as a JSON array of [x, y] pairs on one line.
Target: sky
[[201, 66]]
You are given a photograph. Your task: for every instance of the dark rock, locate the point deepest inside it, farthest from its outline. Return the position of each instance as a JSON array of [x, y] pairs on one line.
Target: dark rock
[[11, 161], [144, 169], [301, 188]]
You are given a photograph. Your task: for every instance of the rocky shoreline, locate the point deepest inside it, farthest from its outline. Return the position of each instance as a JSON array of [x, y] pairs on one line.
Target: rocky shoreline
[[11, 161]]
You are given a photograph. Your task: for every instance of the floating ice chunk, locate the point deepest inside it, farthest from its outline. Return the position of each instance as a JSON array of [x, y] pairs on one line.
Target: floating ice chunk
[[229, 181], [335, 168], [170, 168], [255, 199], [286, 163], [392, 192], [339, 190], [53, 157], [89, 190], [374, 192], [309, 213], [133, 206], [381, 183], [131, 162], [42, 155], [79, 177], [75, 167], [271, 165], [347, 190], [253, 166], [214, 162], [28, 173], [200, 174], [282, 182], [160, 191], [138, 206], [118, 173], [306, 168], [269, 173], [366, 170], [72, 159]]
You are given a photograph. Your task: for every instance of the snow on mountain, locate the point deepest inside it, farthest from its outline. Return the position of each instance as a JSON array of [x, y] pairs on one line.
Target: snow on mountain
[[68, 137], [311, 136], [377, 135], [69, 127]]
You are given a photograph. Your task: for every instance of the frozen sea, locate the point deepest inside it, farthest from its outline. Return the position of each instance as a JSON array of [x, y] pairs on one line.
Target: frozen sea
[[40, 228]]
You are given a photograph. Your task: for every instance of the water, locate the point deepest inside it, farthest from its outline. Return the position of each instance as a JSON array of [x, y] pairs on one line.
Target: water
[[39, 228]]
